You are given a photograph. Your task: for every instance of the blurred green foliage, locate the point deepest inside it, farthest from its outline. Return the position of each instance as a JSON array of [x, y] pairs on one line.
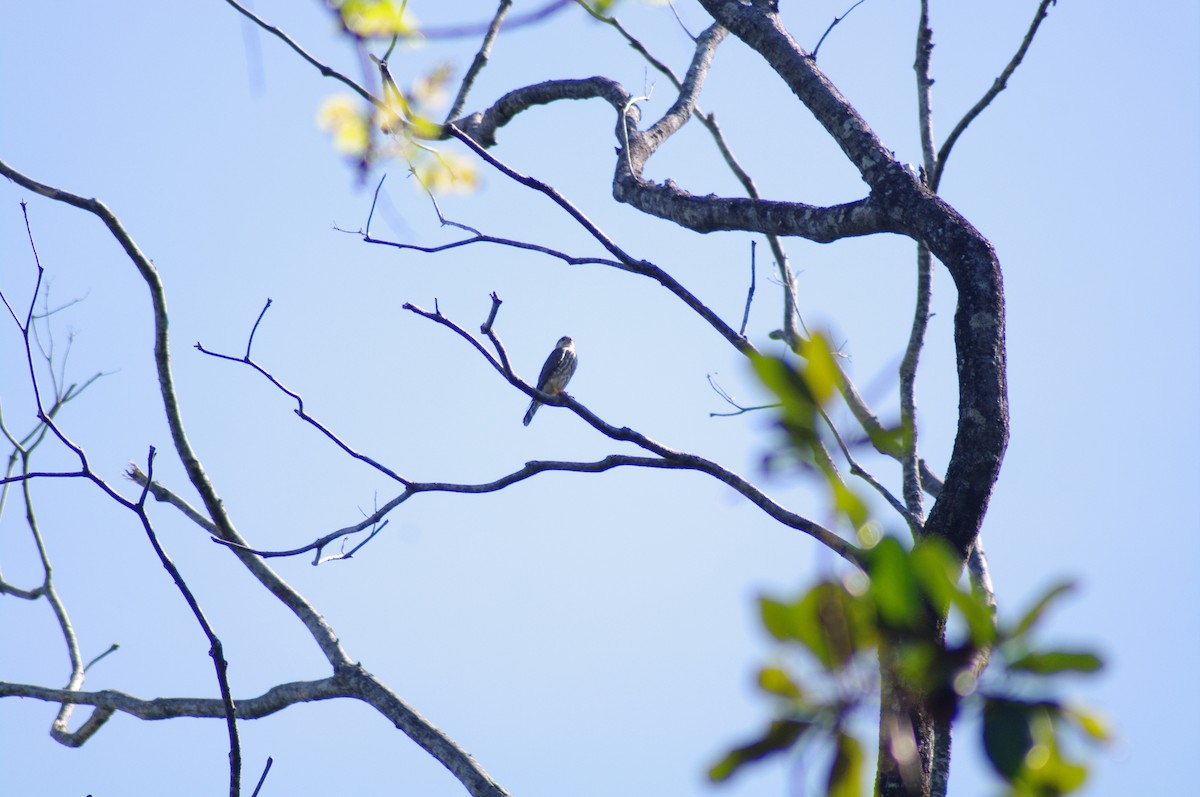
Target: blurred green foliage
[[904, 599]]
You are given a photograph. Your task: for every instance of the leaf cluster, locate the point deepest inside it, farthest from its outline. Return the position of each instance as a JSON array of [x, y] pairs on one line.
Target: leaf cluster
[[804, 389], [898, 610]]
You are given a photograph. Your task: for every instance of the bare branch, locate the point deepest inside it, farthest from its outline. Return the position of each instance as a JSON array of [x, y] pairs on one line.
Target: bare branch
[[325, 71], [312, 621], [749, 291], [351, 679], [862, 473], [999, 85], [910, 461], [624, 262], [516, 21], [273, 700], [113, 648], [216, 650], [486, 327], [530, 469], [633, 42], [161, 493], [679, 459], [728, 399], [832, 25], [481, 58], [925, 91], [791, 314], [481, 127], [300, 411], [681, 110], [263, 777], [254, 329]]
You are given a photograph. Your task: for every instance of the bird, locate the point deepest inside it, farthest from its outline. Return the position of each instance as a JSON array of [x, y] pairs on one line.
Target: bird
[[558, 370]]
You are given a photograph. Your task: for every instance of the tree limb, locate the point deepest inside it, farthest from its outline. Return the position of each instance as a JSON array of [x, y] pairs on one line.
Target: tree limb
[[681, 459], [313, 621], [216, 649], [481, 58]]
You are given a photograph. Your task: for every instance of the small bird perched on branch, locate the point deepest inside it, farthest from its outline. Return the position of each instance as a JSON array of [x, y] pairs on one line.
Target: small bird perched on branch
[[558, 370]]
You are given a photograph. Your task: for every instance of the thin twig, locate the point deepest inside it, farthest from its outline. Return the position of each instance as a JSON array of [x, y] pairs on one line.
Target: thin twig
[[374, 201], [486, 327], [325, 70], [921, 65], [263, 777], [166, 496], [216, 650], [624, 261], [474, 29], [300, 411], [833, 25], [998, 86], [720, 391], [113, 648], [862, 473], [481, 59], [250, 340], [750, 292]]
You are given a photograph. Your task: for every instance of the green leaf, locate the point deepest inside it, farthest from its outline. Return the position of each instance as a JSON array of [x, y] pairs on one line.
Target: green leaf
[[822, 374], [893, 584], [779, 618], [785, 382], [1007, 735], [981, 620], [937, 570], [918, 662], [1094, 726], [799, 410], [377, 18], [1046, 772], [1057, 661], [841, 623], [777, 681], [846, 772], [848, 502], [1054, 775], [1039, 607], [598, 7], [893, 441], [827, 620], [780, 736]]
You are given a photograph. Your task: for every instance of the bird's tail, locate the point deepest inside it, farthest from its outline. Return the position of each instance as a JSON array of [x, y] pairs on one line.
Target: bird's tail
[[533, 407]]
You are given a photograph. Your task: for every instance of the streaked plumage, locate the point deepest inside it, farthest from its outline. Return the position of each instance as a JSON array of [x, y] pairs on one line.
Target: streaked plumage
[[558, 370]]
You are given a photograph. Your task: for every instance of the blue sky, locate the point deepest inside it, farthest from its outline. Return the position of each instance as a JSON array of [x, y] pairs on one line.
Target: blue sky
[[590, 631]]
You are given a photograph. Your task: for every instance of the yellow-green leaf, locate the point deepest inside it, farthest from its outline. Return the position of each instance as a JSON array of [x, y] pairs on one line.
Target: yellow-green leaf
[[848, 502], [779, 737], [893, 585], [821, 373], [1057, 661], [1095, 726], [846, 772], [1040, 605], [343, 118], [377, 18], [777, 681]]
